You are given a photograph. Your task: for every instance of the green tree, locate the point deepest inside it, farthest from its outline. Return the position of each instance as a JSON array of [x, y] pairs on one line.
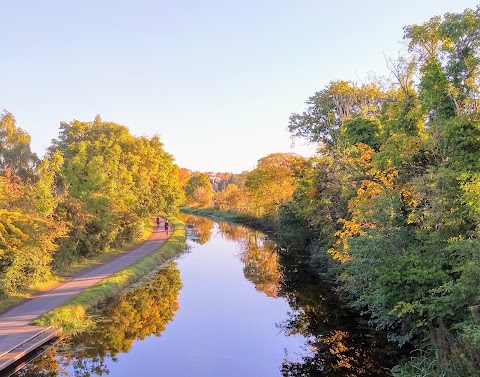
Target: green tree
[[393, 195], [447, 51], [29, 231], [15, 153], [114, 182], [363, 130], [28, 236], [329, 108]]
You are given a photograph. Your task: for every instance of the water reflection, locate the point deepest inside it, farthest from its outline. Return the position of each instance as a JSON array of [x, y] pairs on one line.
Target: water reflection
[[340, 345], [261, 264], [336, 343], [232, 232], [201, 226], [141, 312], [257, 252]]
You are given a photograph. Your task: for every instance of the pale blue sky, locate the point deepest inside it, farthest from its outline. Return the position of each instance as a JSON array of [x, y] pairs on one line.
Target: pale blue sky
[[216, 80]]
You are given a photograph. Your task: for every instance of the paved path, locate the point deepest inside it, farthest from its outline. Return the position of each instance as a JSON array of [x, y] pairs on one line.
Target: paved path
[[14, 322]]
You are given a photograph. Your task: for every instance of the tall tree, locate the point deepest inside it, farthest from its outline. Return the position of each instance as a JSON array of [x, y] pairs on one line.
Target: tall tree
[[15, 153], [328, 109]]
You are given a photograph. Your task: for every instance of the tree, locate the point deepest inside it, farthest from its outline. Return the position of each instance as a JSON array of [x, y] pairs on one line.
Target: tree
[[28, 238], [329, 108], [184, 175], [15, 153], [393, 195], [119, 180], [447, 52], [271, 183], [29, 232], [363, 130], [199, 190], [231, 198]]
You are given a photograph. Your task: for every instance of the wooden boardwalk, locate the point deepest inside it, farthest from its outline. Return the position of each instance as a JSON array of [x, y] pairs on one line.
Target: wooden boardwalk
[[18, 337], [25, 340]]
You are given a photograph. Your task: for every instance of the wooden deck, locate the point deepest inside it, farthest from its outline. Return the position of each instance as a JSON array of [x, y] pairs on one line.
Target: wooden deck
[[26, 339]]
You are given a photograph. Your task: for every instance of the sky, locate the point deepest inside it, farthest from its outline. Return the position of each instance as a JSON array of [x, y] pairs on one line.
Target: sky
[[216, 80]]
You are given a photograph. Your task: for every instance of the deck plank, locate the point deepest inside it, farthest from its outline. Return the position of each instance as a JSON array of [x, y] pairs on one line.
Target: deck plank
[[17, 345]]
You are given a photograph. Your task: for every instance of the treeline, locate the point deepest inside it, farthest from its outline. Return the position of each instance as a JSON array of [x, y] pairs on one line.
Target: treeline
[[257, 193], [390, 205], [95, 190]]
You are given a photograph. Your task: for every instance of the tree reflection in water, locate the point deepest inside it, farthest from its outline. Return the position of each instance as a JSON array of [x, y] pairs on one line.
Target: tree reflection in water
[[233, 232], [201, 227], [261, 264], [337, 344], [257, 253], [141, 312]]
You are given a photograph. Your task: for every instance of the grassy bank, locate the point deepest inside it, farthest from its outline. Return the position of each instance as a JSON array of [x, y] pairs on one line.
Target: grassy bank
[[72, 316]]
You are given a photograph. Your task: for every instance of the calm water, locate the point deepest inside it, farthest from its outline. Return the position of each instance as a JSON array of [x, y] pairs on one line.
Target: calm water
[[229, 306]]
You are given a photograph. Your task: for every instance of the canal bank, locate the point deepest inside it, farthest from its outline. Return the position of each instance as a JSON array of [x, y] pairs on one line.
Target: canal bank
[[65, 306]]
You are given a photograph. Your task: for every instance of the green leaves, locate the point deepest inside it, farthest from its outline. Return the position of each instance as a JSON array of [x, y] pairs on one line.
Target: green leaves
[[447, 51], [15, 153], [119, 179], [338, 102], [395, 190]]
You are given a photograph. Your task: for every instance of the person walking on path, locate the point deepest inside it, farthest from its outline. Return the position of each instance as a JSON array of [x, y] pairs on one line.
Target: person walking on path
[[158, 223], [166, 226]]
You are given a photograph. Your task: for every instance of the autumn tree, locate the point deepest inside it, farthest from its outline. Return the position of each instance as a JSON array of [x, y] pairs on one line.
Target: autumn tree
[[199, 190], [184, 176], [231, 198], [271, 183]]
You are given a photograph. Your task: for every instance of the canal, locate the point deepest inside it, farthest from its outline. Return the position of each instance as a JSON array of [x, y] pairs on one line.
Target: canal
[[229, 306]]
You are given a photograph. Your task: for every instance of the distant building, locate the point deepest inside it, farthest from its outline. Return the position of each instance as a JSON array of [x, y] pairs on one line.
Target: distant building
[[214, 180]]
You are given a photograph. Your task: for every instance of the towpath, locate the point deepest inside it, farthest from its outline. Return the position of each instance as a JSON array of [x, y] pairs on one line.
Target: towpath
[[14, 323]]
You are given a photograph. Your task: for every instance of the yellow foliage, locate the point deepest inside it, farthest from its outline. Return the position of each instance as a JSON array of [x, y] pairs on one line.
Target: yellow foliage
[[362, 207]]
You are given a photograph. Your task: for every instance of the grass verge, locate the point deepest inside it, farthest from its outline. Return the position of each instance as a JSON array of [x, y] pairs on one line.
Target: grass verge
[[72, 316]]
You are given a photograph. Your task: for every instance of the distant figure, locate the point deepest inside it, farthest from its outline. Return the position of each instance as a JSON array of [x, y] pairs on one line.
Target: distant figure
[[158, 222], [166, 226]]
